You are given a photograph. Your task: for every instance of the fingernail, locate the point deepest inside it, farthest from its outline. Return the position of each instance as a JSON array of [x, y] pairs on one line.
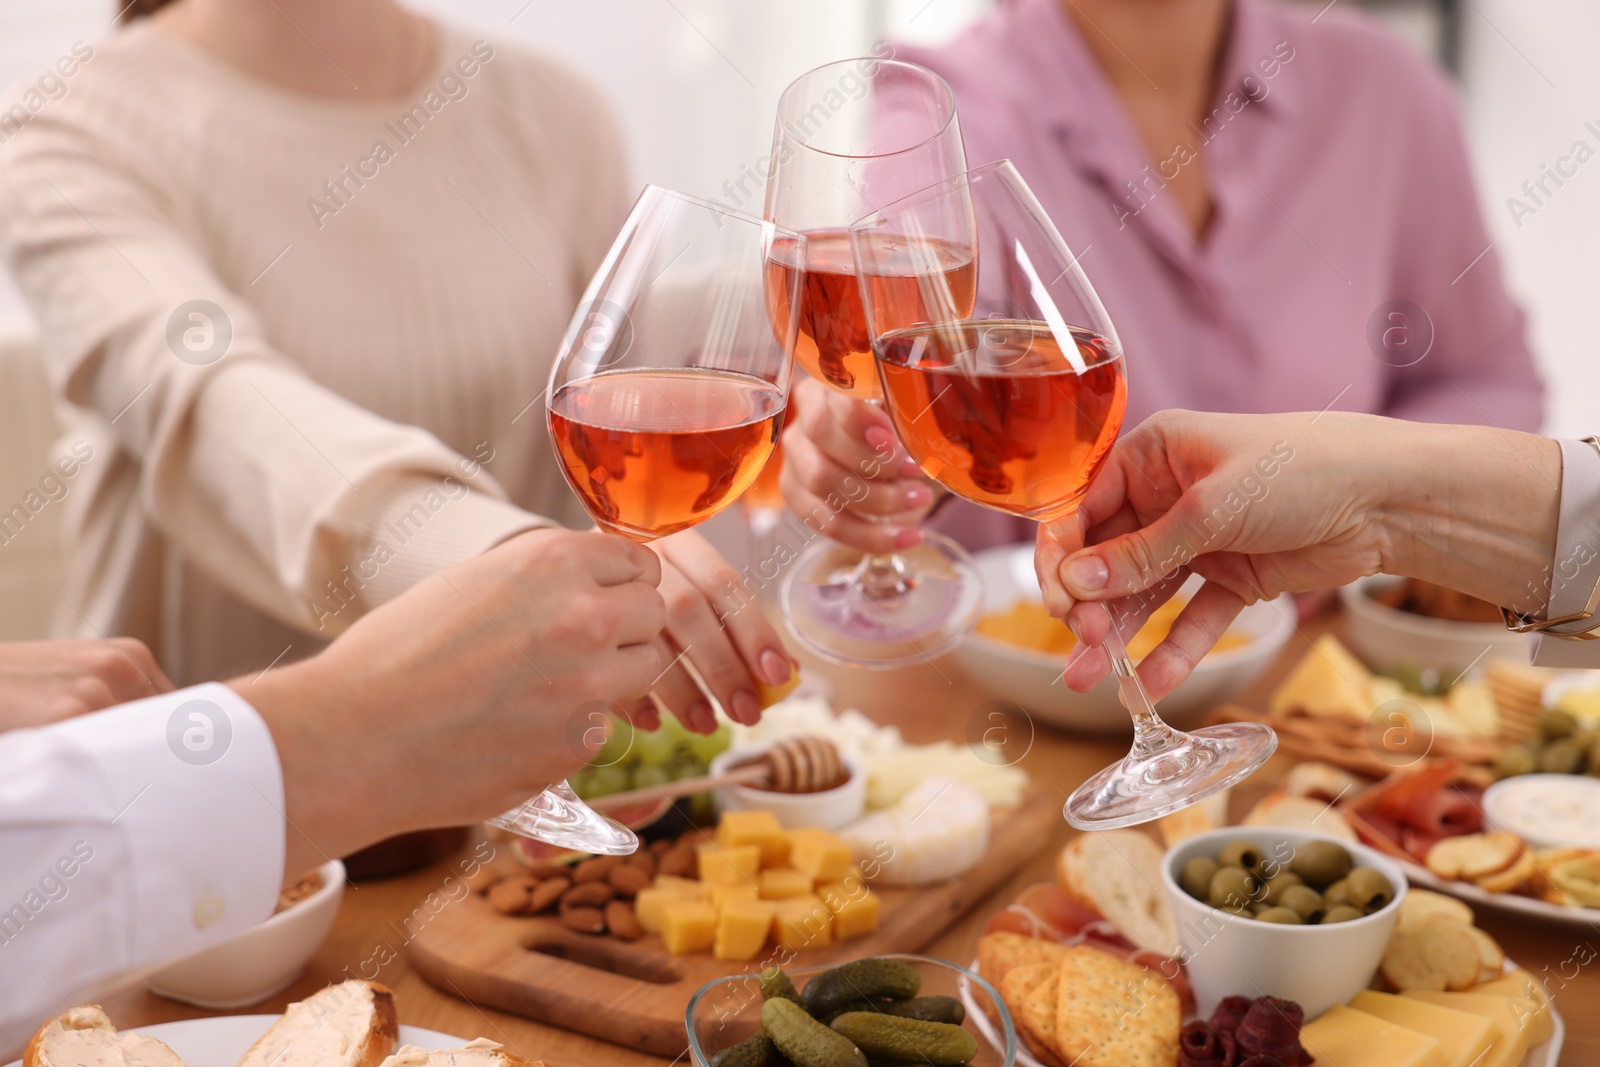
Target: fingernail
[[702, 719], [909, 469], [1086, 574], [910, 537], [880, 440], [746, 708], [775, 669], [918, 495], [1072, 624]]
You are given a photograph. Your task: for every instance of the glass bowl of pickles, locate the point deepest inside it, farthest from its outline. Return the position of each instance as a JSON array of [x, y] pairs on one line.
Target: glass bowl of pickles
[[1275, 911]]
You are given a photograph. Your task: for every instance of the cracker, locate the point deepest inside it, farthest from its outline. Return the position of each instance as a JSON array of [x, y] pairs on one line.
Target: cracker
[[1111, 1013], [1436, 954], [999, 953], [1422, 903], [1472, 856], [1521, 871], [1491, 958]]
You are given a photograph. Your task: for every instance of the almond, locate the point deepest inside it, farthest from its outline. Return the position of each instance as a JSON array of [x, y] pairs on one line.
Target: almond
[[627, 881], [622, 922], [509, 896], [546, 893], [644, 861], [584, 920], [587, 895], [595, 870], [679, 861], [542, 871]]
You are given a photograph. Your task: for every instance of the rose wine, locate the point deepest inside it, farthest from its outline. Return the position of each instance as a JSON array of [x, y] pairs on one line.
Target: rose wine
[[997, 412], [833, 345], [652, 452]]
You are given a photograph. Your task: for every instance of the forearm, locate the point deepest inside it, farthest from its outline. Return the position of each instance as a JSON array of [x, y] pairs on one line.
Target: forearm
[[1473, 508]]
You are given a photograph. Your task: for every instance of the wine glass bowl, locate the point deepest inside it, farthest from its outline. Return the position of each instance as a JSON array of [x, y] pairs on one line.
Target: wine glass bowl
[[1016, 408]]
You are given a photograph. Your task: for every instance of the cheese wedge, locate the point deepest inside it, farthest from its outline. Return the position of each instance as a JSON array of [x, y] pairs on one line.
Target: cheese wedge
[[1462, 1036], [1346, 1037], [1520, 983], [1512, 1018], [1328, 680]]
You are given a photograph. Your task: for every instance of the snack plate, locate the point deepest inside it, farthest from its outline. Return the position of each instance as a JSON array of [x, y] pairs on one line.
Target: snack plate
[[1507, 903], [220, 1041], [1545, 1055]]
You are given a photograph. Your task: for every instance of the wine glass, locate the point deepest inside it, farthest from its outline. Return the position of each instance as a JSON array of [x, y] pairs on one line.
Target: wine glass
[[1016, 408], [850, 136], [664, 404]]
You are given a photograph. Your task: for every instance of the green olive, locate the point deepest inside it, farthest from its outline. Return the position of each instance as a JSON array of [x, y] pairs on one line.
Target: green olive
[[1320, 863], [1561, 757], [1280, 914], [1231, 887], [1305, 902], [1340, 913], [1554, 723], [1514, 760], [1368, 890], [1278, 883], [1196, 876], [1336, 894], [1241, 854]]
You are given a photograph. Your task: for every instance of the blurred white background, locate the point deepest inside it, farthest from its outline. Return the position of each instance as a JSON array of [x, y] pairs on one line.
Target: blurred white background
[[695, 83]]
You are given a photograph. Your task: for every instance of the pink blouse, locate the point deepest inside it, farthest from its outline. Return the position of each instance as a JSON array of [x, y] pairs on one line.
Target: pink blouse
[[1346, 264]]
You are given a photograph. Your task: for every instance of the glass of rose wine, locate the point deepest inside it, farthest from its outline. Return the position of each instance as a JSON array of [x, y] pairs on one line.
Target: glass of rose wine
[[1016, 407], [850, 136], [665, 403]]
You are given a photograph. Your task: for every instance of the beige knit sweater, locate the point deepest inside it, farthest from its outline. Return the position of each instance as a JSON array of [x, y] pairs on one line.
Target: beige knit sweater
[[385, 284]]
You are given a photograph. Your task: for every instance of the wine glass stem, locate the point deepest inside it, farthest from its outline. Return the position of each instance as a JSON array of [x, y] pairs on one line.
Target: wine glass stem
[[1150, 733]]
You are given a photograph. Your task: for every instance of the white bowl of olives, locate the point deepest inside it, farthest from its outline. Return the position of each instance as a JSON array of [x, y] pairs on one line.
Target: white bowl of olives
[[1274, 911]]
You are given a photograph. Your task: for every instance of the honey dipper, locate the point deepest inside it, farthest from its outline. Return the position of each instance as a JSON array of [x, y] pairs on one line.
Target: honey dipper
[[794, 765]]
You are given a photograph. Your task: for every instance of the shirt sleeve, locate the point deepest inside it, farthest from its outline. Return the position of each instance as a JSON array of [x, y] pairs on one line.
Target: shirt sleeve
[[268, 481], [131, 837], [1576, 567], [1478, 367]]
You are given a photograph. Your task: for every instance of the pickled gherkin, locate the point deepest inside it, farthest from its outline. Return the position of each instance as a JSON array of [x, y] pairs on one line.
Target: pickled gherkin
[[939, 1044], [775, 985], [807, 1042], [754, 1051], [869, 979]]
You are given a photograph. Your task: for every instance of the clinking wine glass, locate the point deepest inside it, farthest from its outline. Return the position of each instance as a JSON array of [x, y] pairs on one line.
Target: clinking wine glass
[[850, 136], [1016, 408], [665, 403]]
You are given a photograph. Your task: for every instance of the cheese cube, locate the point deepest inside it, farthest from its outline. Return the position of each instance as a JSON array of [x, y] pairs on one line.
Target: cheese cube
[[854, 914], [650, 907], [680, 888], [819, 854], [783, 883], [801, 923], [688, 926], [1462, 1036], [1521, 984], [719, 864], [720, 893], [742, 929], [1512, 1018], [759, 828], [1345, 1037]]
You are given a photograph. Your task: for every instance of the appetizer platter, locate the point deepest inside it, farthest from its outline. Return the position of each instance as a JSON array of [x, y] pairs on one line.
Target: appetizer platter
[[615, 946]]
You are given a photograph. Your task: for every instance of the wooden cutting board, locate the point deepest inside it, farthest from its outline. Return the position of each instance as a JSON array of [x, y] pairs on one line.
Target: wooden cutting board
[[635, 993]]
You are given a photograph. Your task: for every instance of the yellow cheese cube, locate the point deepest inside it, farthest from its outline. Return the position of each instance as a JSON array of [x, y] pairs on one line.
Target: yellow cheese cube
[[801, 923], [759, 828], [1521, 984], [720, 893], [783, 883], [688, 926], [719, 864], [1462, 1036], [742, 929], [650, 907], [680, 888], [1512, 1018], [1345, 1037], [854, 914], [819, 854]]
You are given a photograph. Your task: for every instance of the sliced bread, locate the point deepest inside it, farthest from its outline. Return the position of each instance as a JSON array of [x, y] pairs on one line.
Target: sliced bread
[[1118, 874], [479, 1052], [352, 1024], [85, 1035]]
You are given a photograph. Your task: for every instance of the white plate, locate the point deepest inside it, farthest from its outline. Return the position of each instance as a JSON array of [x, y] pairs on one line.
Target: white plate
[[220, 1041], [1545, 1055], [1507, 903]]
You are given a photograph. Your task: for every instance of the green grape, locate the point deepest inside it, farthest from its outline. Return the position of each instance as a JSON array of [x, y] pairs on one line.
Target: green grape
[[618, 747], [582, 784], [606, 780], [701, 813], [645, 775], [708, 746], [681, 768], [673, 729], [653, 748]]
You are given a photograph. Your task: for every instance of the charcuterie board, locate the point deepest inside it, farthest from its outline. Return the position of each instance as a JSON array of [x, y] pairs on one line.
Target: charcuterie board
[[634, 993]]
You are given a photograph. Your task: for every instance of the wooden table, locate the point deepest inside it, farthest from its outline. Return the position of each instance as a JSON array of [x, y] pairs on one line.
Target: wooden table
[[927, 702]]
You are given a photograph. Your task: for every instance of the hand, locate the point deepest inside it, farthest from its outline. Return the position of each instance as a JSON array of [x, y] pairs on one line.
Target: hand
[[845, 474], [457, 700], [714, 622], [46, 681]]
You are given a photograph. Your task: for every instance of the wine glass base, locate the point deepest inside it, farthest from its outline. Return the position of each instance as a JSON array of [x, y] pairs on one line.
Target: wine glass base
[[558, 817], [1196, 766], [842, 619]]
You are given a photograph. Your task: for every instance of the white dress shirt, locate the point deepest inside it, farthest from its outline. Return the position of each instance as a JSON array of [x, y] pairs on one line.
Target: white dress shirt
[[1570, 579], [130, 837]]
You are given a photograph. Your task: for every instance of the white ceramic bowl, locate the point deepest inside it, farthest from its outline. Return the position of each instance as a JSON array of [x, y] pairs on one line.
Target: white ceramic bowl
[[1032, 679], [1529, 805], [827, 810], [1385, 637], [1314, 966], [263, 960]]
